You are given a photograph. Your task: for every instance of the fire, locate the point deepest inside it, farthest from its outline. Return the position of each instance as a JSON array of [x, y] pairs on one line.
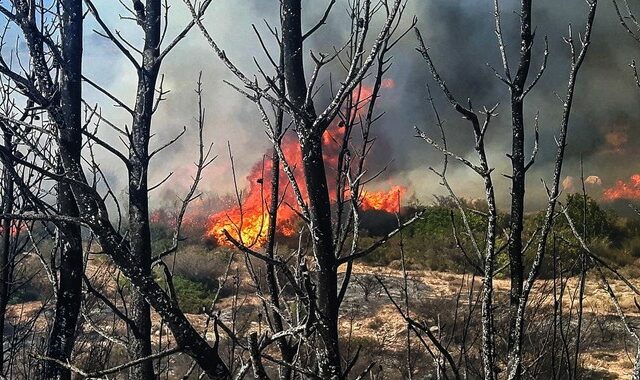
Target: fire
[[623, 190], [249, 222], [194, 222], [14, 230], [250, 227], [388, 201]]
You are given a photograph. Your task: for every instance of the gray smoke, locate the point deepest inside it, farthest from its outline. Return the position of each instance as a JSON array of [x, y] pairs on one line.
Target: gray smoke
[[460, 34]]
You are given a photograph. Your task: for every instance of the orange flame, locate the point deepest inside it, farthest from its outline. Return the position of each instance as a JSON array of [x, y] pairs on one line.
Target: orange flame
[[13, 230], [249, 223], [388, 201], [15, 227], [623, 190]]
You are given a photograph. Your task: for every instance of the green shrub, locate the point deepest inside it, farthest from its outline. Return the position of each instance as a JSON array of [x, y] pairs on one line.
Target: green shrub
[[607, 251], [30, 282], [632, 246], [429, 243], [198, 264], [196, 276], [193, 297]]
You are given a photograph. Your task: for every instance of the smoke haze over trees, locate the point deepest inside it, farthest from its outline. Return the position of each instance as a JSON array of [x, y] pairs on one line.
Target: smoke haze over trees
[[339, 189], [460, 34]]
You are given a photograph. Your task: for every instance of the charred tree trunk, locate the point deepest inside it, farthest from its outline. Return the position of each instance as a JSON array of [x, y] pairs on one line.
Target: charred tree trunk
[[5, 242], [140, 241], [139, 232], [287, 351], [91, 205], [327, 286], [62, 99], [69, 292], [310, 137], [518, 178], [94, 214], [516, 268]]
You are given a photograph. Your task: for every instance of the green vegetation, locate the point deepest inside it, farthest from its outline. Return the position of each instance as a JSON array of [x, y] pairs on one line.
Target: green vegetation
[[430, 243], [193, 297], [196, 276]]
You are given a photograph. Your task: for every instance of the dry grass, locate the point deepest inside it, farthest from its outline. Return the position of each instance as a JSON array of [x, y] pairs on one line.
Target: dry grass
[[378, 323]]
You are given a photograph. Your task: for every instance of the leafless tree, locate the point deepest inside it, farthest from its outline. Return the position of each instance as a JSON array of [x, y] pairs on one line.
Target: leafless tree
[[289, 92], [521, 283], [519, 88], [19, 244], [63, 104], [151, 16], [62, 98]]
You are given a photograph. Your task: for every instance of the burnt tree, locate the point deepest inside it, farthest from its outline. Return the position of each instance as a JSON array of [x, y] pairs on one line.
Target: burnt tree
[[63, 106], [321, 294], [69, 118], [148, 17], [61, 96], [521, 281], [315, 178]]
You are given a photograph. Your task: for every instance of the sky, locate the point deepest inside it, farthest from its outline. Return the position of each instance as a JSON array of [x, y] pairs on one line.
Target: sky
[[460, 35]]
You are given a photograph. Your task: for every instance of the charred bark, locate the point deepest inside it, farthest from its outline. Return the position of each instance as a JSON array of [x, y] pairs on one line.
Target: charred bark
[[287, 350], [69, 292], [5, 242], [139, 232], [327, 285], [518, 176], [315, 179]]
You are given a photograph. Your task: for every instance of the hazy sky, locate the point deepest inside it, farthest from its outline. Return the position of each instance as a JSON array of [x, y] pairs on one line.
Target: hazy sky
[[462, 41]]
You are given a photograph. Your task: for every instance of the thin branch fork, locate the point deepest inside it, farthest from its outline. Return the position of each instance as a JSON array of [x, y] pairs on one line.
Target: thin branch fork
[[431, 142], [381, 241], [355, 77], [322, 21], [110, 36], [103, 374], [418, 327]]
